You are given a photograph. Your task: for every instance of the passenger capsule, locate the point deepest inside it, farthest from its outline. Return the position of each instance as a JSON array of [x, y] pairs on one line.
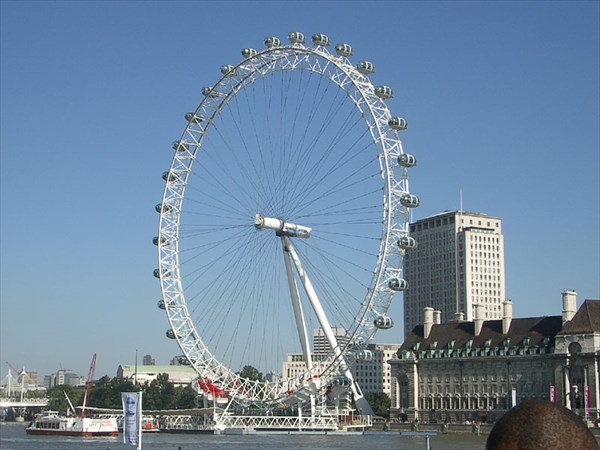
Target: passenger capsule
[[398, 123], [161, 304], [170, 176], [249, 52], [208, 91], [363, 355], [164, 274], [227, 70], [183, 361], [343, 50], [398, 284], [170, 334], [272, 41], [156, 240], [296, 37], [383, 322], [341, 380], [194, 117], [320, 40], [384, 92], [407, 242], [406, 160], [409, 200], [365, 67], [160, 208], [181, 146]]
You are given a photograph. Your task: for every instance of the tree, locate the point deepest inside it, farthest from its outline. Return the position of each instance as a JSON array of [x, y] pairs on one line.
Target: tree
[[160, 393], [251, 373], [185, 398], [106, 392], [57, 400], [380, 402]]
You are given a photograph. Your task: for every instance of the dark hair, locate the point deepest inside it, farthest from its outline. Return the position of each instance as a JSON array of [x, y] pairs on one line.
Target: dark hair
[[540, 425]]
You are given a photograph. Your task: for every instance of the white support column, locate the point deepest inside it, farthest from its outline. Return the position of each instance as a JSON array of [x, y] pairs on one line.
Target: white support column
[[359, 399], [415, 388], [596, 387], [298, 313], [567, 385]]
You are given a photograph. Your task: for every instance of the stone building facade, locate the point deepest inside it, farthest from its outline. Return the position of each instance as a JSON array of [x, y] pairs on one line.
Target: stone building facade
[[476, 370]]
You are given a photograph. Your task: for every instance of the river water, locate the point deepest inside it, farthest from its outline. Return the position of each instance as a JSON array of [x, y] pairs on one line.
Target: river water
[[13, 437]]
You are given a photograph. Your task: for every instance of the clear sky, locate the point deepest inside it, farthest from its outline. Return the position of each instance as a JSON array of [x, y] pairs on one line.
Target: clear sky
[[502, 100]]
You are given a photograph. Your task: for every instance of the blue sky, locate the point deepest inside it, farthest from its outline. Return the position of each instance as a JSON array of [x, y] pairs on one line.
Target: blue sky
[[502, 100]]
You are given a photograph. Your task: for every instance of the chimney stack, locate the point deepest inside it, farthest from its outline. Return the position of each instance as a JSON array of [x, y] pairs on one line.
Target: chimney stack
[[478, 321], [459, 316], [437, 317], [569, 299], [428, 322], [506, 315]]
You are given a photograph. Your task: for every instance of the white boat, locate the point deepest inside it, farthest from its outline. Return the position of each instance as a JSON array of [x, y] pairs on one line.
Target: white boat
[[53, 424]]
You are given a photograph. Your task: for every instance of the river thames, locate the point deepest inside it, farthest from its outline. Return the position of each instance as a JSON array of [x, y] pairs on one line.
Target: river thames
[[13, 437]]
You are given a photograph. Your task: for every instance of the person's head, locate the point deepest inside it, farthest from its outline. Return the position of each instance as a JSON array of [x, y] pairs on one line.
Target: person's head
[[540, 425]]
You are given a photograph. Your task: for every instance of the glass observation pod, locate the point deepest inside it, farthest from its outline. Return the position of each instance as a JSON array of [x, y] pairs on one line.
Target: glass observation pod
[[156, 241], [363, 355], [249, 52], [162, 208], [296, 37], [383, 322], [398, 123], [161, 304], [409, 200], [227, 69], [182, 360], [169, 176], [170, 334], [181, 146], [398, 284], [407, 242], [341, 380], [365, 67], [208, 91], [272, 41], [406, 160], [194, 117], [343, 50], [157, 273], [384, 92], [320, 40]]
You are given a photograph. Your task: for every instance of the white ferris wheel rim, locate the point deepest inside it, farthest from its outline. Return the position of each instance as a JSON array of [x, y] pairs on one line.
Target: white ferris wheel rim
[[338, 70]]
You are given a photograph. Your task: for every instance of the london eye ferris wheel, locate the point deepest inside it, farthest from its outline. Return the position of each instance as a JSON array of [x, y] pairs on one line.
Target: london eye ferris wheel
[[285, 210]]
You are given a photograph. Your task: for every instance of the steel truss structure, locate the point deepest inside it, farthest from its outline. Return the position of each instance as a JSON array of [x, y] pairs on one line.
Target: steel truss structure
[[396, 203]]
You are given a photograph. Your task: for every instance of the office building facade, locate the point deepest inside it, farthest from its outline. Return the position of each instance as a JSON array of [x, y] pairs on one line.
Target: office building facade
[[458, 263]]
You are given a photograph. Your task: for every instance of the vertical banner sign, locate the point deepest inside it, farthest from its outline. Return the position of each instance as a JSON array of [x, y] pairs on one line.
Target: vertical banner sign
[[132, 416], [586, 399], [553, 394], [514, 397]]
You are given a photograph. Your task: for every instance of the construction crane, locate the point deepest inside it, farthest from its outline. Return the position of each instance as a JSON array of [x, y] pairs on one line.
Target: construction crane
[[88, 384]]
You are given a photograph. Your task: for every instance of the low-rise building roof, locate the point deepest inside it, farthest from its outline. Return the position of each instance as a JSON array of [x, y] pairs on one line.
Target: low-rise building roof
[[586, 319], [539, 330]]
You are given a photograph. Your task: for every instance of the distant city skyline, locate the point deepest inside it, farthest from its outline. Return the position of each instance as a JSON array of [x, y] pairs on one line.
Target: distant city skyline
[[502, 103]]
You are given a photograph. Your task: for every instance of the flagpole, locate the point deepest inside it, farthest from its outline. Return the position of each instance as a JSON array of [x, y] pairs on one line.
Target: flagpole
[[140, 424]]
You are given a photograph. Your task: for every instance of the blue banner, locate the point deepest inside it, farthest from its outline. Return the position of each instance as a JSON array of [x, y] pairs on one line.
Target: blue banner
[[132, 417]]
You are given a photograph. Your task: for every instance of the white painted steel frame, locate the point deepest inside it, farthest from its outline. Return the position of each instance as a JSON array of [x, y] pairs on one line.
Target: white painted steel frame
[[360, 90]]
